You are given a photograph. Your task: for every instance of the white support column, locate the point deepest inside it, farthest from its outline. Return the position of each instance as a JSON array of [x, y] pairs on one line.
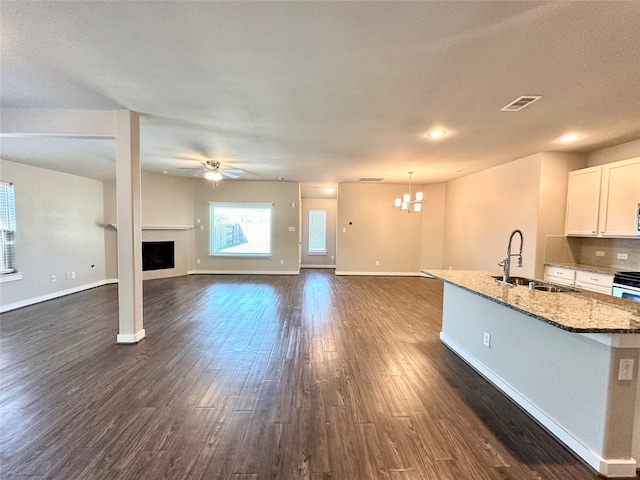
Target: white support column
[[129, 226]]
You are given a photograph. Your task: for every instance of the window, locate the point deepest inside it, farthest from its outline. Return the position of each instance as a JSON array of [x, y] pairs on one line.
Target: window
[[317, 232], [240, 229], [7, 229]]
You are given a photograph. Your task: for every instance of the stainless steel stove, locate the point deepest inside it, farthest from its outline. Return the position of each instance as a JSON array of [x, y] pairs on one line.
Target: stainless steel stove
[[627, 285]]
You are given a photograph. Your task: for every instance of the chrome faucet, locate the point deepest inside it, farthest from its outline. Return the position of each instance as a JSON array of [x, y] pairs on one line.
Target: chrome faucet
[[506, 263]]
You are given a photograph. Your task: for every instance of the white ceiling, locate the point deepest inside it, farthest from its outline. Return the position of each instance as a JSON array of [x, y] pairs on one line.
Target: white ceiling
[[324, 92]]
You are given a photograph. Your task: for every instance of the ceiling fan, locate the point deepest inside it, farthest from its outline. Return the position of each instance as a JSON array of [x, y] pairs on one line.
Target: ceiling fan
[[213, 172]]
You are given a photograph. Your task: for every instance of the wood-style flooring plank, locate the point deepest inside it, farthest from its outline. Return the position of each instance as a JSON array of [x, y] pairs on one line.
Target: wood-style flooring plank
[[251, 377]]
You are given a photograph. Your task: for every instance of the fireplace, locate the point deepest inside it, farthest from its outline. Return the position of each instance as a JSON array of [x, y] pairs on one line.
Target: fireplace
[[157, 255]]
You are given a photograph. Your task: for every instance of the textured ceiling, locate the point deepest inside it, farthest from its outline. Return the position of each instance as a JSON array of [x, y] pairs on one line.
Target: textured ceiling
[[324, 92]]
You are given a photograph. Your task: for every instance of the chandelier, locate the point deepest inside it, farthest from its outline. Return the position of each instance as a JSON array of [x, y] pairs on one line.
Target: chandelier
[[406, 204]]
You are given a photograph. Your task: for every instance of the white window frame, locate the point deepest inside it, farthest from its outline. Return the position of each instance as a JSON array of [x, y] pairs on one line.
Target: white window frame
[[313, 224], [238, 253], [7, 231]]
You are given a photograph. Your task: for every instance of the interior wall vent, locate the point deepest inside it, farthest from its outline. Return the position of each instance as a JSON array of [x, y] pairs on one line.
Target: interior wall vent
[[520, 103], [371, 179]]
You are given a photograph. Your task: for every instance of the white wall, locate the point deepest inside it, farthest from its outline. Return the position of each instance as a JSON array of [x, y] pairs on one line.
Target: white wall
[[552, 199], [432, 232], [330, 205], [165, 201], [371, 230], [59, 221], [615, 153], [285, 243], [484, 208]]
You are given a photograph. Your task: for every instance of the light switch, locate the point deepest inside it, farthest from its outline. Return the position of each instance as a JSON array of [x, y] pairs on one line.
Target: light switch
[[292, 229]]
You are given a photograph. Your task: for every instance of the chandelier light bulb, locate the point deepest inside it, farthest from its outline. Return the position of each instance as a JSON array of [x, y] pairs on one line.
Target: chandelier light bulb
[[406, 204]]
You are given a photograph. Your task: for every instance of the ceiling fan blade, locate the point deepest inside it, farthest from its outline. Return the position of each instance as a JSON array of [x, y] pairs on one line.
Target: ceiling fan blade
[[189, 168], [227, 174], [233, 170]]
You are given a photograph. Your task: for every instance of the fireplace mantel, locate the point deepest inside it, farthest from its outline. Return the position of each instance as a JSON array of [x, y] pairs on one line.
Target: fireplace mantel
[[157, 227]]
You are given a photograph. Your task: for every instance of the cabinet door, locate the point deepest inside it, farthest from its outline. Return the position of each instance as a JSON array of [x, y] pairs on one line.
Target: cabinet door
[[620, 198], [583, 202], [563, 276], [595, 282]]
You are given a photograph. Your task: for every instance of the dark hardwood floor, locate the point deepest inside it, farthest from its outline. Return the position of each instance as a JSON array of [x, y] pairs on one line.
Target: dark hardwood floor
[[255, 377]]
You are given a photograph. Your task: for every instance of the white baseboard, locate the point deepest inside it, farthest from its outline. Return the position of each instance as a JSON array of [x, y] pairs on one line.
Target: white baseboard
[[131, 337], [613, 467], [317, 266], [380, 274], [51, 296], [243, 272]]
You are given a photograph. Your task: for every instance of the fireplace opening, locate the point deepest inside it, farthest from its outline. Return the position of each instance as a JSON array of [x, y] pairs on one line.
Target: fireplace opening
[[157, 255]]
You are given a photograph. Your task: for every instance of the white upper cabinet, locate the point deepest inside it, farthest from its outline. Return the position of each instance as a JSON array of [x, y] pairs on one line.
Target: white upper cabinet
[[583, 202], [620, 198], [604, 200]]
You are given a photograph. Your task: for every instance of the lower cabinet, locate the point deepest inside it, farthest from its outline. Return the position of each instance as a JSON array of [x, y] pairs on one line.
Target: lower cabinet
[[594, 282], [560, 275]]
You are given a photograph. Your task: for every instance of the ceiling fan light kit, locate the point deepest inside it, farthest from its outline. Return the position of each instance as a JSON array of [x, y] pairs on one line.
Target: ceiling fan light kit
[[214, 173]]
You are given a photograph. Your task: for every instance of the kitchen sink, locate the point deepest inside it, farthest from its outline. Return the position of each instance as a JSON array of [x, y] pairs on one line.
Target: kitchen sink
[[537, 284], [516, 280], [553, 288]]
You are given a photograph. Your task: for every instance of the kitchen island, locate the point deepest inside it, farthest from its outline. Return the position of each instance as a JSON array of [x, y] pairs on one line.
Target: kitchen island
[[557, 355]]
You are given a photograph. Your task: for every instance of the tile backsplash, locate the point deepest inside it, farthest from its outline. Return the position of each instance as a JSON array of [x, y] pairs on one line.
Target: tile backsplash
[[563, 249]]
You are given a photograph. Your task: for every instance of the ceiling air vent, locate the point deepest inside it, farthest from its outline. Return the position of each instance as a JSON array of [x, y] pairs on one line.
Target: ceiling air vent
[[520, 103], [371, 179]]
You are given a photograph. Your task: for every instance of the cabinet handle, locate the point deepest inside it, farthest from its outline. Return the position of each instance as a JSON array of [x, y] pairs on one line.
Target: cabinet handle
[[594, 279]]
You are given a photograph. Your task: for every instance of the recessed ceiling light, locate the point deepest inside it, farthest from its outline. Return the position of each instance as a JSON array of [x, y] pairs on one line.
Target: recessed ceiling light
[[436, 134], [164, 171], [569, 138], [328, 190]]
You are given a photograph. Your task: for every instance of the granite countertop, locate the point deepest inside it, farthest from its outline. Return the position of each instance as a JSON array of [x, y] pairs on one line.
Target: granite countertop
[[581, 312]]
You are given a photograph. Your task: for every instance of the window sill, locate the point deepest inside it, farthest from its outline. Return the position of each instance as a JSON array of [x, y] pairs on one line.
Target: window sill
[[10, 277], [252, 256], [324, 254]]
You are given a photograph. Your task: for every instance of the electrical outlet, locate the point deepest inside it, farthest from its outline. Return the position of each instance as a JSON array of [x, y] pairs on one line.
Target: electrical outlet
[[53, 278], [73, 274], [487, 339], [281, 262], [599, 254], [626, 369], [68, 275], [198, 261], [201, 227], [622, 256], [377, 263], [292, 229], [333, 257]]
